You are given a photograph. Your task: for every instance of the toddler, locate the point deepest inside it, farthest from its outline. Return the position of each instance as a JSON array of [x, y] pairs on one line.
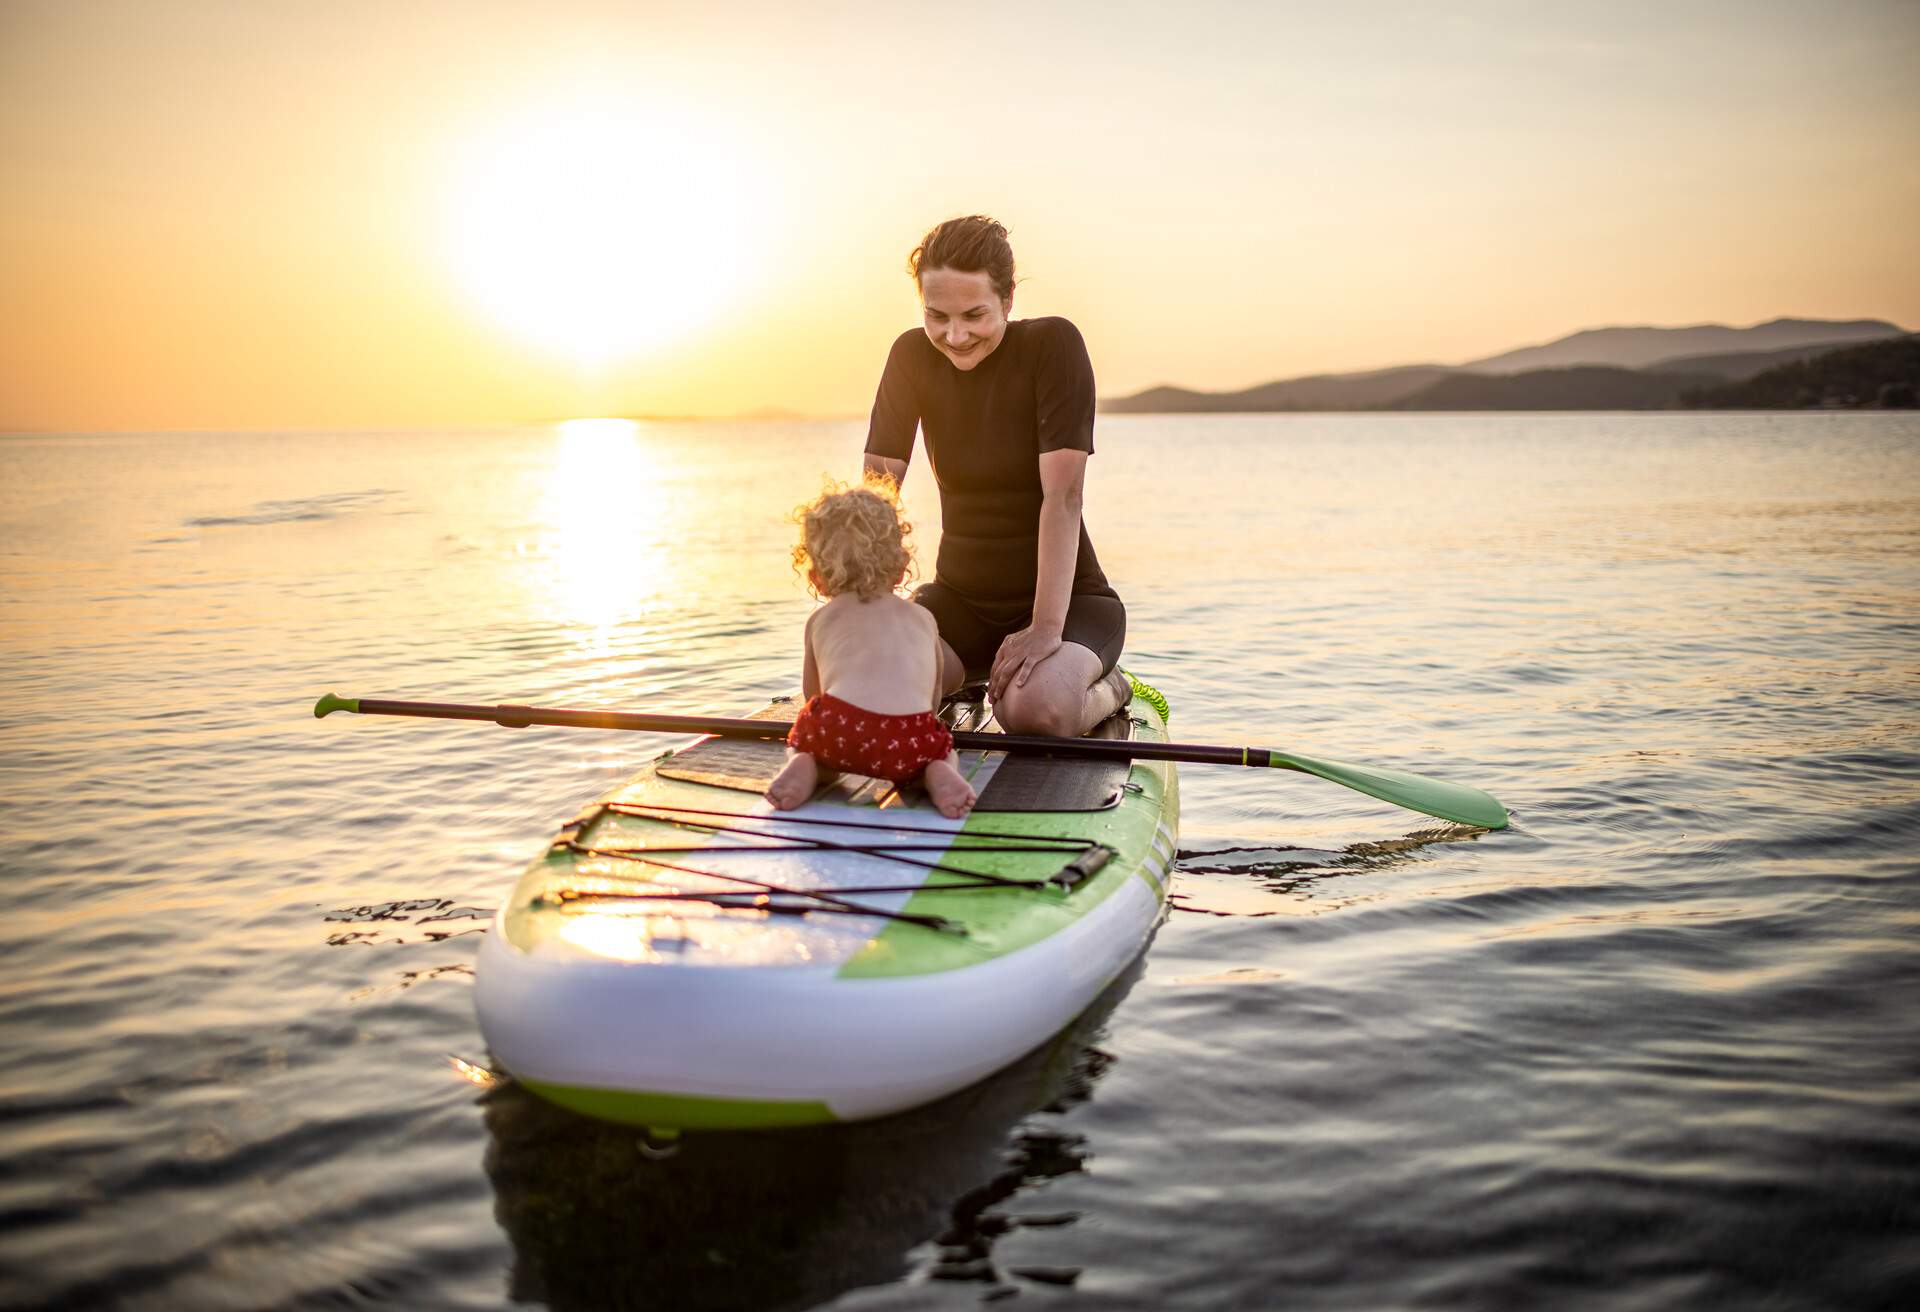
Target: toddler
[[871, 674]]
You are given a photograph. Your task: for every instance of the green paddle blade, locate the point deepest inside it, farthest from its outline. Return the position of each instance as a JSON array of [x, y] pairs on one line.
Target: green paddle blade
[[1458, 802]]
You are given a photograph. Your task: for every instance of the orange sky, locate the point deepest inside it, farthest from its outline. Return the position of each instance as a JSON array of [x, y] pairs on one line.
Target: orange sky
[[242, 214]]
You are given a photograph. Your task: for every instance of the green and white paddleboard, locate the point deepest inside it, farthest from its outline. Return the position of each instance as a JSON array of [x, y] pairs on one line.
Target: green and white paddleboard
[[684, 956]]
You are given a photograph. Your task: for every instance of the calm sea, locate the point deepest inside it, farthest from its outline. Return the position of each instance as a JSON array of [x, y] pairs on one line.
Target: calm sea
[[1657, 1046]]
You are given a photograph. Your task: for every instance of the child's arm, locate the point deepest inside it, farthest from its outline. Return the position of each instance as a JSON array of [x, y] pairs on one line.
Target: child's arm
[[809, 672], [939, 661]]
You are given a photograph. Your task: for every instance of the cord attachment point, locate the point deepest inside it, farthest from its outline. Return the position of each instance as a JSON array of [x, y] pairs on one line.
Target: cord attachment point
[[1082, 868]]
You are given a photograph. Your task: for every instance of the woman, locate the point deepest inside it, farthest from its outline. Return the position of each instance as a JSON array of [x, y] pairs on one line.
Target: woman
[[1007, 410]]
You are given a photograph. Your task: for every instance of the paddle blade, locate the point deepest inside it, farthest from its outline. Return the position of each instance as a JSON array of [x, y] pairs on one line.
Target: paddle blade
[[1458, 802]]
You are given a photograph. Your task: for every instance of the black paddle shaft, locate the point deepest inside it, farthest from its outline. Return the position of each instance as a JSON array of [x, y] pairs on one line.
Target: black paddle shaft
[[1083, 749]]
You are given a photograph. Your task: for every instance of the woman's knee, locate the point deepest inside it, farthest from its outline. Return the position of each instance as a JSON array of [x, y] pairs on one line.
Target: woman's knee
[[1040, 709]]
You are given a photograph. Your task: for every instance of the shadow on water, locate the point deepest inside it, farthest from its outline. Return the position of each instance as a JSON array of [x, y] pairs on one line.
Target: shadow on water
[[329, 505], [599, 1218], [413, 911], [1264, 881]]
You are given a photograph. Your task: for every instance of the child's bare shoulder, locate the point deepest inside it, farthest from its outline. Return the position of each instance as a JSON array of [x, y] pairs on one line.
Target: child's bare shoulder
[[910, 615], [840, 612], [917, 613]]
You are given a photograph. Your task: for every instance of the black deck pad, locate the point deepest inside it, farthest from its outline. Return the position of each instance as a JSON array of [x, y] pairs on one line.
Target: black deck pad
[[745, 763], [742, 763], [1044, 783]]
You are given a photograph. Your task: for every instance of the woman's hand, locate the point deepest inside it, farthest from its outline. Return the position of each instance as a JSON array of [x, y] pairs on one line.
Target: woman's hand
[[1017, 657]]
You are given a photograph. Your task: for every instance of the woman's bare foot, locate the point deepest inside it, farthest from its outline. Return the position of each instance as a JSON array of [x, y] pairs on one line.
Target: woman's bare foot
[[948, 788], [795, 783]]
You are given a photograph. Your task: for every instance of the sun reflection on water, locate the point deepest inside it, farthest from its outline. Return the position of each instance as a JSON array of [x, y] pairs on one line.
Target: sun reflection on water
[[607, 521], [472, 1073]]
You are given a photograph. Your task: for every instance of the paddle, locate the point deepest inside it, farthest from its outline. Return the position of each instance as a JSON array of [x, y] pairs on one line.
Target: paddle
[[1435, 797]]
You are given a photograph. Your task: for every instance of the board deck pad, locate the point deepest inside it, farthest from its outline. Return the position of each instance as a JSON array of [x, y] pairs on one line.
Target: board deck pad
[[743, 763], [1042, 783]]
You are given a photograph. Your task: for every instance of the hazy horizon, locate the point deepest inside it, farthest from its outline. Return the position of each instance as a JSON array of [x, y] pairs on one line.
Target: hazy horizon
[[227, 215]]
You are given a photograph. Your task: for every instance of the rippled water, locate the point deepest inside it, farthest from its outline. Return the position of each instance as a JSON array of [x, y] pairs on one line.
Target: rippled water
[[1653, 1047]]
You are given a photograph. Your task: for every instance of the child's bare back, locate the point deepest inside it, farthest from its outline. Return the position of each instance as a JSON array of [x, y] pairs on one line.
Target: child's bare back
[[882, 654], [872, 665]]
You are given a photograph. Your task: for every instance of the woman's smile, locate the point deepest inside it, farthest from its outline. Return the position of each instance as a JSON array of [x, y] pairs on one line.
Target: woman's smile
[[964, 318]]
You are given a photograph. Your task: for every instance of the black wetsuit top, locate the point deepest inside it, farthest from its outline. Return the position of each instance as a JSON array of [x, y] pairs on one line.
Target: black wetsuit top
[[985, 431]]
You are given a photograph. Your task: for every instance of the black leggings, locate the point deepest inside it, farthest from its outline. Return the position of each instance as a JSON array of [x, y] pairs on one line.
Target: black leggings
[[1095, 620]]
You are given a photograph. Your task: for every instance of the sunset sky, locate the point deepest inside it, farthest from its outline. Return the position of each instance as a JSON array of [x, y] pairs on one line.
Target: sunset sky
[[265, 214]]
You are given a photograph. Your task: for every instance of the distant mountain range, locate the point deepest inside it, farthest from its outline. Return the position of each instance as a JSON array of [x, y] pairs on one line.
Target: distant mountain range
[[1639, 348], [1600, 368]]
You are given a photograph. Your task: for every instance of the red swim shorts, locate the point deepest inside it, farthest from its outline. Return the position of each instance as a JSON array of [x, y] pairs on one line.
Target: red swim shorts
[[842, 736]]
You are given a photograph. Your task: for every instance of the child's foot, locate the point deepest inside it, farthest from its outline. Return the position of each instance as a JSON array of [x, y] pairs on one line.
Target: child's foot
[[795, 783], [948, 788]]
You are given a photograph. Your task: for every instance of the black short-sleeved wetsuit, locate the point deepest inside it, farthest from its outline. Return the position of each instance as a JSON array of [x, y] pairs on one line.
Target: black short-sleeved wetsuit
[[985, 430]]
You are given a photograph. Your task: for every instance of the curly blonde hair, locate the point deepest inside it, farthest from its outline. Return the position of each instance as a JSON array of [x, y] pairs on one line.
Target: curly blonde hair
[[852, 539]]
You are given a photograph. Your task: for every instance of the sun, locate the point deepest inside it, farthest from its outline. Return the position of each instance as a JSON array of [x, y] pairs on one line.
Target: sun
[[600, 228]]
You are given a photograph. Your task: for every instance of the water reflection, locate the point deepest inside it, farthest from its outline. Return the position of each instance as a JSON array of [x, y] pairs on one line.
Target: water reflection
[[792, 1218], [608, 520]]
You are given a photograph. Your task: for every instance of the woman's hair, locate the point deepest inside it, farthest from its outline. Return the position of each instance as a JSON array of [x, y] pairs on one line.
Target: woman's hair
[[975, 244], [854, 540]]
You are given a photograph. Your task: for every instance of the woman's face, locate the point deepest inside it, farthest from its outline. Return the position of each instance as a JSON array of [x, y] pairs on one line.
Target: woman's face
[[964, 316]]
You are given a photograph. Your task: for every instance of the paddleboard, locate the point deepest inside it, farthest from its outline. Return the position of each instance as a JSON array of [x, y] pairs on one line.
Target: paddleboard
[[683, 956]]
